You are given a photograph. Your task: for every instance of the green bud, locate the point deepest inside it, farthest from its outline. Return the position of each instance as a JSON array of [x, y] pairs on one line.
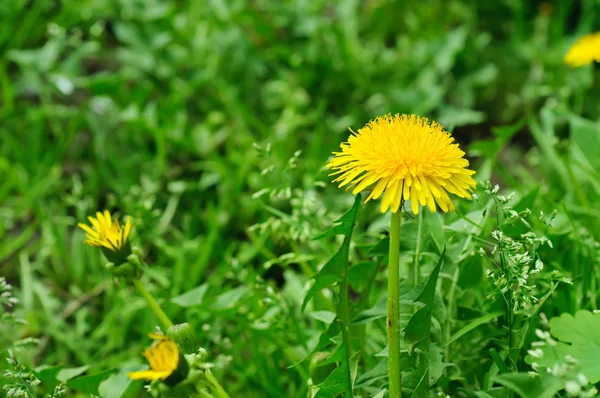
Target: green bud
[[117, 256], [185, 337], [318, 373]]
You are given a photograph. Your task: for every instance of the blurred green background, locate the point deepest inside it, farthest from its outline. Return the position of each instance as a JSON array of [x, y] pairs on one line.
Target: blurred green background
[[202, 119]]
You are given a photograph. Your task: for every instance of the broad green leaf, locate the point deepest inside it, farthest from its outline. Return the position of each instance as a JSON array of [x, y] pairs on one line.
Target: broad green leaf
[[118, 386], [69, 373], [47, 373], [436, 364], [542, 386], [324, 316], [229, 299], [333, 271], [89, 384], [578, 336], [191, 297]]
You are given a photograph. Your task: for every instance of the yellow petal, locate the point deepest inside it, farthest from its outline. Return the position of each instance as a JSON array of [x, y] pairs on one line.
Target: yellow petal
[[90, 232], [127, 229], [149, 375]]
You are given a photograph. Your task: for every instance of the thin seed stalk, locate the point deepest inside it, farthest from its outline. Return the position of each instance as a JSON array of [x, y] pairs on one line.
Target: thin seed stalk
[[393, 310], [164, 319]]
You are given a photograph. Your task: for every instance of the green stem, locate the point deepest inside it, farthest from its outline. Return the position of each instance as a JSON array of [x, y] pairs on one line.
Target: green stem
[[344, 315], [219, 391], [393, 310], [153, 304]]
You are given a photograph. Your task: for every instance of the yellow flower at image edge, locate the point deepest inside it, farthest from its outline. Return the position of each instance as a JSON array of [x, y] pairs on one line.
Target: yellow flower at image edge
[[585, 50], [404, 157], [163, 358], [106, 232]]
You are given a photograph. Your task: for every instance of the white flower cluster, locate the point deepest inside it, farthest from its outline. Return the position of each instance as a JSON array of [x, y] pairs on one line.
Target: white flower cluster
[[515, 260]]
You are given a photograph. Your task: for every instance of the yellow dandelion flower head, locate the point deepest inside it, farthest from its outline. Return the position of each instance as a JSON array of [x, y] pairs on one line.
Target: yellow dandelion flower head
[[404, 157], [585, 51], [163, 358], [106, 232]]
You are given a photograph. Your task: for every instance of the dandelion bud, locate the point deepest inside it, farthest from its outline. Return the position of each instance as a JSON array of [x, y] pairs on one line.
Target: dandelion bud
[[111, 238], [166, 362], [185, 337]]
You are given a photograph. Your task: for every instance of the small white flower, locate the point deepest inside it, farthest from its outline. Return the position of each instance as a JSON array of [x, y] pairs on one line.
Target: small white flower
[[573, 388], [537, 353], [581, 379]]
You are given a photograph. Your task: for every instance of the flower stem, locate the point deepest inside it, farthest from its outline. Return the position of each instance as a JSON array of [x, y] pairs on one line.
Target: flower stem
[[219, 391], [393, 309], [153, 304], [344, 315]]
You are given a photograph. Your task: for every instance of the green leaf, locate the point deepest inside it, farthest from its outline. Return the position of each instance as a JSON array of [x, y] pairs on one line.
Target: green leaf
[[419, 325], [191, 297], [324, 341], [379, 310], [333, 271], [380, 394], [578, 336], [89, 384], [585, 134], [337, 382], [69, 373], [229, 299], [47, 373], [505, 133], [118, 385], [345, 224], [542, 386], [382, 248], [472, 325], [380, 371], [359, 275], [324, 316]]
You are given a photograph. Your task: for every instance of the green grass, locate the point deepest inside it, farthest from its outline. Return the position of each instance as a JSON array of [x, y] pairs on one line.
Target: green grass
[[210, 123]]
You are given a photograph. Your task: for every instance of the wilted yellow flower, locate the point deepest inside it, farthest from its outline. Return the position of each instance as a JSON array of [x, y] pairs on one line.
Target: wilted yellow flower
[[163, 358], [585, 50], [405, 157], [106, 232]]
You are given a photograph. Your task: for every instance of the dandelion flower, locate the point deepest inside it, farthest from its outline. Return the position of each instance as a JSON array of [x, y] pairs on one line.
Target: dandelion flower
[[404, 157], [163, 358], [585, 51], [106, 232]]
